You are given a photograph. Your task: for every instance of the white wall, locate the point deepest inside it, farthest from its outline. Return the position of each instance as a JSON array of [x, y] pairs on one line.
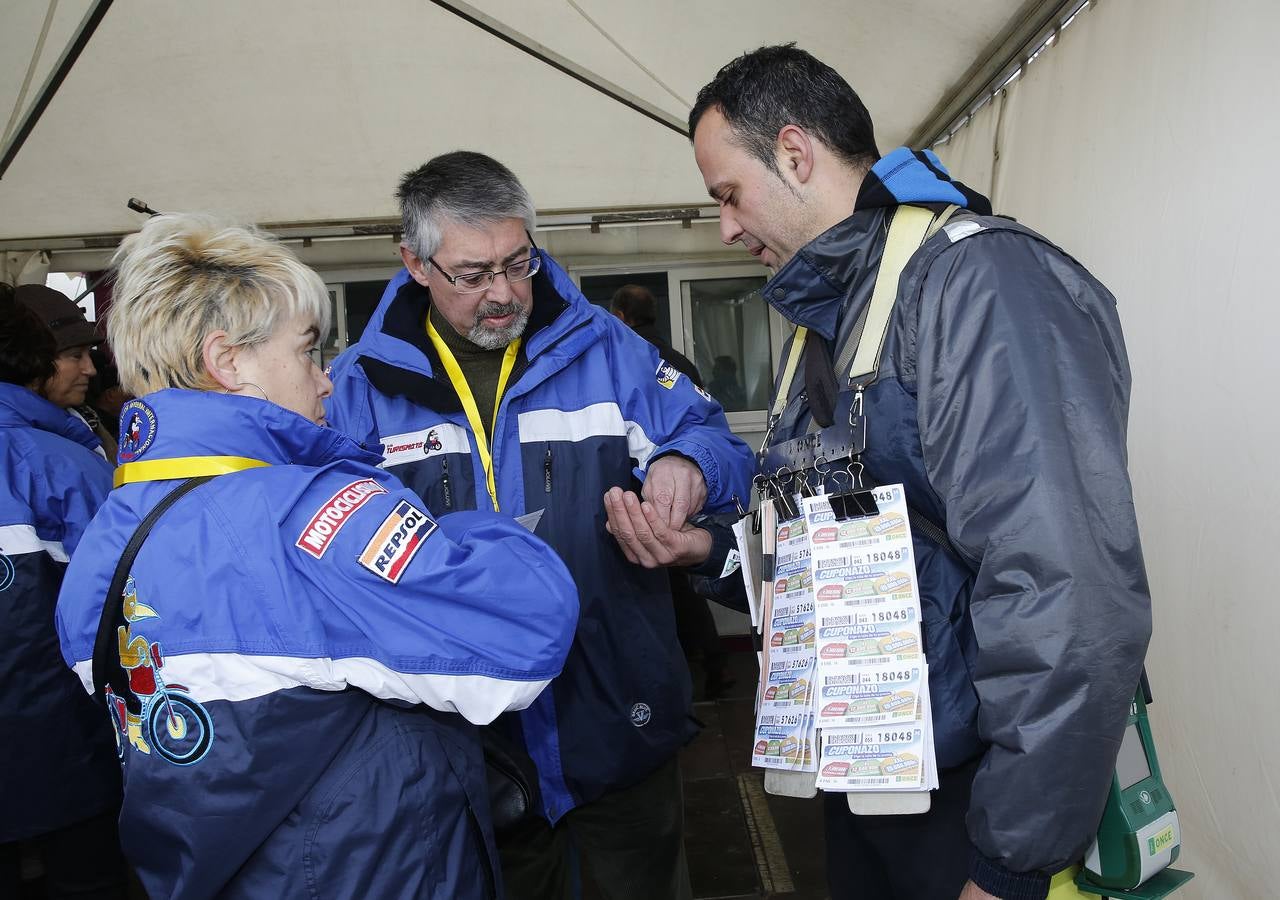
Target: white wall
[[1145, 143]]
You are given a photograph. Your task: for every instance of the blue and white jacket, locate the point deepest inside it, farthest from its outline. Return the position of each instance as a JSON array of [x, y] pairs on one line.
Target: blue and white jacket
[[57, 752], [589, 405], [301, 637]]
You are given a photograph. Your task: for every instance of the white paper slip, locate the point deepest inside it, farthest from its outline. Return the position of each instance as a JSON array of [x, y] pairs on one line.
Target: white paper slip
[[530, 520], [749, 558], [890, 758]]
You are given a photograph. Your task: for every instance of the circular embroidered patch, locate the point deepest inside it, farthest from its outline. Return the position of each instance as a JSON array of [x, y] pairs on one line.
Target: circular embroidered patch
[[641, 714], [7, 572], [137, 429]]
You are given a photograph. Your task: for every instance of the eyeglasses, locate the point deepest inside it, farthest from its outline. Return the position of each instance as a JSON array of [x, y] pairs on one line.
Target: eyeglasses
[[475, 282]]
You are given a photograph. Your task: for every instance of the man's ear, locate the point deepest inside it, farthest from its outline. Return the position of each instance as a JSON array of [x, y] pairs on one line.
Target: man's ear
[[417, 268], [220, 360], [795, 150]]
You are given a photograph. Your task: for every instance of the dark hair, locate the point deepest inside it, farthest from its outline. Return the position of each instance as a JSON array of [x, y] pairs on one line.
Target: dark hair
[[461, 186], [27, 346], [636, 304], [763, 91]]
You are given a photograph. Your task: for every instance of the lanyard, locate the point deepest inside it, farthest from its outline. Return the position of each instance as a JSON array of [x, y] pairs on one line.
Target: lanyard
[[182, 467], [459, 381]]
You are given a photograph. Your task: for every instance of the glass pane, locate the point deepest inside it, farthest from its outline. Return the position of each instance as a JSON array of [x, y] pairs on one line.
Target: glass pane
[[728, 322], [362, 299], [599, 290]]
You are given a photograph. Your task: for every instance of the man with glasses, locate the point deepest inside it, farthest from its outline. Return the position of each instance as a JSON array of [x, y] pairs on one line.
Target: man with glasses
[[488, 381]]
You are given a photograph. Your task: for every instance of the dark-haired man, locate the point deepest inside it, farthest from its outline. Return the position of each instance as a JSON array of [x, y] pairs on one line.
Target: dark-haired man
[[1000, 401], [490, 382]]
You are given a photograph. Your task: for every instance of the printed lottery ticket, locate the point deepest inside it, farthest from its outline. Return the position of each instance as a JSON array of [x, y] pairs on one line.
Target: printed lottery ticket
[[785, 742], [852, 695], [890, 758]]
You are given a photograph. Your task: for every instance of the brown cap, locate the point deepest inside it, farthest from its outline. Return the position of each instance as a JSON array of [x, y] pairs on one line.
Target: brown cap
[[60, 314]]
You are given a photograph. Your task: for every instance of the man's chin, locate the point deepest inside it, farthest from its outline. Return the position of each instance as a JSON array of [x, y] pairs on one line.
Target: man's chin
[[497, 338]]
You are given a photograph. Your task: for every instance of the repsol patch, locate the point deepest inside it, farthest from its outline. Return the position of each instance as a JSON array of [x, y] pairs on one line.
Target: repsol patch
[[667, 375], [397, 541], [336, 511]]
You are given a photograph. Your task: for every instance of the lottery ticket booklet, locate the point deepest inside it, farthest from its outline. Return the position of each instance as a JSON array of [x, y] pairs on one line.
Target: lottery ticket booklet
[[843, 669]]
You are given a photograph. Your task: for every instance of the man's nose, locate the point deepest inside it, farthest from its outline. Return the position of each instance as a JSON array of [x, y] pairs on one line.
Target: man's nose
[[730, 231], [500, 291]]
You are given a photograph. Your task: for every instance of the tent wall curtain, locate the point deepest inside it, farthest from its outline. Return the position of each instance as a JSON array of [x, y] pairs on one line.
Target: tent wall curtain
[[1144, 143]]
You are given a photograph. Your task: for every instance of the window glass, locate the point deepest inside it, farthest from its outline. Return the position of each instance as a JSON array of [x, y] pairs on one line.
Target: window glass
[[599, 290], [362, 300], [727, 325]]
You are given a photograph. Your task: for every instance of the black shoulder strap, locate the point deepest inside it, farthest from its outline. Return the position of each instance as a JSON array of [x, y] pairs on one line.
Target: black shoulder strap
[[106, 663]]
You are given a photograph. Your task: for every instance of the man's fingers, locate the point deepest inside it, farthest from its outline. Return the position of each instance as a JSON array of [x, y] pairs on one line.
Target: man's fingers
[[649, 546]]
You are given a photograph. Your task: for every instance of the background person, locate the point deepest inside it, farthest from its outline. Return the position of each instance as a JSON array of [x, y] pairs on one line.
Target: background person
[[303, 644], [490, 382], [1000, 403], [74, 368], [62, 782]]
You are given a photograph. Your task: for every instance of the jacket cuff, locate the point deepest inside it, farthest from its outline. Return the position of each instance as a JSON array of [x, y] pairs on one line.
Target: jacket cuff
[[722, 543], [700, 457], [998, 881]]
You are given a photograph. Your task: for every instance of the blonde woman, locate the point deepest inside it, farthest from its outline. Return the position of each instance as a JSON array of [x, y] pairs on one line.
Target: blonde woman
[[295, 657]]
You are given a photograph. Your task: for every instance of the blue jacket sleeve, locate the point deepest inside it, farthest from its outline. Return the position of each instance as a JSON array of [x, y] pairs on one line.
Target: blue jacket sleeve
[[666, 413], [468, 613]]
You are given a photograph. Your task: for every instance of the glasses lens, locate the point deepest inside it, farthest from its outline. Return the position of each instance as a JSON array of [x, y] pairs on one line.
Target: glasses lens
[[524, 269], [472, 282]]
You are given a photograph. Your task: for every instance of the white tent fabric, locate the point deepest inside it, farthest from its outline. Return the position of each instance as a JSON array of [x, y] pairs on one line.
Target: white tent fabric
[[1143, 143], [302, 111]]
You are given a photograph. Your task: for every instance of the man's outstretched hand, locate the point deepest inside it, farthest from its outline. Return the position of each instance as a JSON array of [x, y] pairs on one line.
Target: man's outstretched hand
[[646, 539]]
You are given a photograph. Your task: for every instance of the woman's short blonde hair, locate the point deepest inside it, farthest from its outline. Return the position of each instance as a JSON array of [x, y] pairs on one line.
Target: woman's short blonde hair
[[184, 276]]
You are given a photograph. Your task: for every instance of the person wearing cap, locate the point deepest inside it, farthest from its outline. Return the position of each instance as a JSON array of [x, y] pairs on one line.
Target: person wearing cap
[[62, 780], [74, 337]]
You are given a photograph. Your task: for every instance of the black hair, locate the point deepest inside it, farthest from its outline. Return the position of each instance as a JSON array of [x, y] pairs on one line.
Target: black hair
[[636, 304], [27, 346], [763, 91]]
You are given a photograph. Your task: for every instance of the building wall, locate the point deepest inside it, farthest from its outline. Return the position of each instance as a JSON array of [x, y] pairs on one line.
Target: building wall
[[1143, 143]]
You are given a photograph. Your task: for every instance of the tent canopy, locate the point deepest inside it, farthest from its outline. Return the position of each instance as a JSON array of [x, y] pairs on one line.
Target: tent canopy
[[306, 111]]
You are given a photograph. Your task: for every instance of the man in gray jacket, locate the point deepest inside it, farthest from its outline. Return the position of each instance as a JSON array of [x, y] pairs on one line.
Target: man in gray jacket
[[1000, 402]]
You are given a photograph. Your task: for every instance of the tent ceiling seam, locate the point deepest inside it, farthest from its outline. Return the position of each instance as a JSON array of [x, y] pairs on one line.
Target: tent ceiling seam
[[623, 50], [31, 70], [544, 54]]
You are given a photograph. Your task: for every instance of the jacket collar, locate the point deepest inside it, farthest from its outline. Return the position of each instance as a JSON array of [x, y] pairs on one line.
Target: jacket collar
[[203, 423], [23, 408], [811, 289], [399, 360]]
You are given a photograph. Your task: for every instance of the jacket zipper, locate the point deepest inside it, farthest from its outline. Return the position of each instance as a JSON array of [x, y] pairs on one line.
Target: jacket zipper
[[497, 417]]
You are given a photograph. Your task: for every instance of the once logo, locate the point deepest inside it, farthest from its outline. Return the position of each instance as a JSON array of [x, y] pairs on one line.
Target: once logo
[[7, 572], [641, 714]]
